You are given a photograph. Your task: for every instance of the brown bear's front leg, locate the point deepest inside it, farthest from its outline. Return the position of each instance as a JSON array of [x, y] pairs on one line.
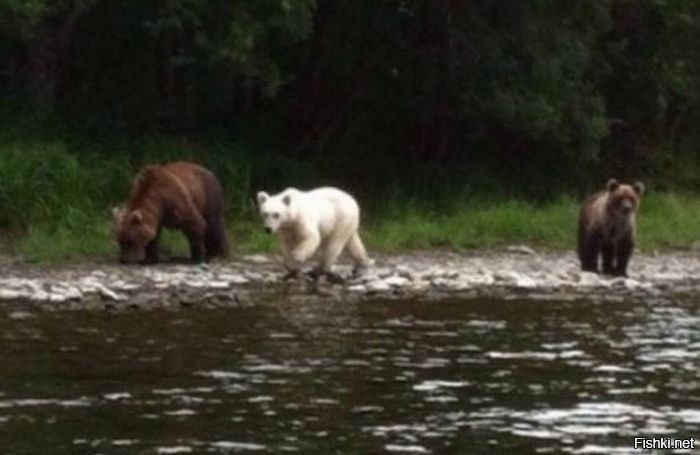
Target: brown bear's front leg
[[608, 251], [624, 252], [152, 250]]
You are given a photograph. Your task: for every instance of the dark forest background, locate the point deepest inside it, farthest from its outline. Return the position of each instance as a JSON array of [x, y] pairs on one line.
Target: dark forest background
[[526, 98]]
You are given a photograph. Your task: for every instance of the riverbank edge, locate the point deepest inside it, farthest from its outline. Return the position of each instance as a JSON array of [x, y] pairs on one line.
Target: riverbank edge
[[512, 273]]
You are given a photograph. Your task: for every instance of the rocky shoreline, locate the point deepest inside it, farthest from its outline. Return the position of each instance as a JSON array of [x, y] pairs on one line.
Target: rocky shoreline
[[511, 273]]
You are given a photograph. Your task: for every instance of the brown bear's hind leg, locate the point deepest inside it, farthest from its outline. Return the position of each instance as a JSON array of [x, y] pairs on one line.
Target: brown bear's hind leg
[[196, 235], [624, 252], [608, 251], [216, 242], [215, 237]]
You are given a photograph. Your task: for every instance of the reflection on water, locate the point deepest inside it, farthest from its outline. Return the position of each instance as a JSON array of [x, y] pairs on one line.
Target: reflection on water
[[379, 377]]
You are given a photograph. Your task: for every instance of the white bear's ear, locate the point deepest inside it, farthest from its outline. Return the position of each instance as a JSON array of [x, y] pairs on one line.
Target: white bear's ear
[[262, 197], [612, 185], [638, 188], [287, 199]]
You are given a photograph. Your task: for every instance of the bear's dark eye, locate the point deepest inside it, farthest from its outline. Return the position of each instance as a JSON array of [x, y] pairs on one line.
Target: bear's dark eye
[[275, 215]]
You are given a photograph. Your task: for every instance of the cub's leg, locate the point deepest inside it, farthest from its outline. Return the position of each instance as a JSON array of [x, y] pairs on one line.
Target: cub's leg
[[608, 251], [589, 250], [624, 251]]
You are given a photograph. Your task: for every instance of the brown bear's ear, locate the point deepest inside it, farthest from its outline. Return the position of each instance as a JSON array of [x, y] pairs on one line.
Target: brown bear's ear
[[287, 199], [117, 213], [612, 185], [136, 217], [262, 197], [638, 188]]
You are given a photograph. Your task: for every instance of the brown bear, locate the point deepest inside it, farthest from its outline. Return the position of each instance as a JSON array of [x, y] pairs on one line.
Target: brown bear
[[178, 195], [607, 225]]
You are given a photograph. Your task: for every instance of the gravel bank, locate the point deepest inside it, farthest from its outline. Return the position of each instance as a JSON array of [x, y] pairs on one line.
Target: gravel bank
[[512, 273]]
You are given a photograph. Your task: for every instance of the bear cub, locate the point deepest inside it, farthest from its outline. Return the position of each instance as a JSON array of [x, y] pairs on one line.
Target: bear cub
[[607, 227], [177, 195]]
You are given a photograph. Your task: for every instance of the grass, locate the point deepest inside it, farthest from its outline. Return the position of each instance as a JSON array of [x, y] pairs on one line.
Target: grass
[[667, 221], [55, 201], [474, 224]]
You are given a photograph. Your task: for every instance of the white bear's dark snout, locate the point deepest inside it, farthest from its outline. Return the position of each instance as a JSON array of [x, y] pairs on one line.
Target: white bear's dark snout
[[268, 230]]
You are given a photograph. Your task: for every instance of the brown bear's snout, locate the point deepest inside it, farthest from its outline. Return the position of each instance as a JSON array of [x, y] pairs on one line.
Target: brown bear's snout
[[132, 257]]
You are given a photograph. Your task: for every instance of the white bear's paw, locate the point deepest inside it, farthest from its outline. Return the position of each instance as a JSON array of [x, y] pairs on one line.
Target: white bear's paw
[[331, 277], [291, 274]]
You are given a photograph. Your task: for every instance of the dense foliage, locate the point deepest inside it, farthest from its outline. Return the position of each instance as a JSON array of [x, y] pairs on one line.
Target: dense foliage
[[527, 97]]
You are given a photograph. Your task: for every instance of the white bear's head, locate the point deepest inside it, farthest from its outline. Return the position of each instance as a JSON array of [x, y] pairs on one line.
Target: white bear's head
[[275, 210]]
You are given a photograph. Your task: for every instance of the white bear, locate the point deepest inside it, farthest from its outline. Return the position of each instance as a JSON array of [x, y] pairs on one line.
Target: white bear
[[325, 218]]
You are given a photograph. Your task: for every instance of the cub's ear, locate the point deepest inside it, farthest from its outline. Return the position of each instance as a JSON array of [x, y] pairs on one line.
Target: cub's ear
[[136, 217], [612, 185], [287, 199], [262, 197], [638, 188]]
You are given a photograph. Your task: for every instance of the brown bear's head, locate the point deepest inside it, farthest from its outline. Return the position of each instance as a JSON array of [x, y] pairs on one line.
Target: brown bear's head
[[623, 199], [132, 233]]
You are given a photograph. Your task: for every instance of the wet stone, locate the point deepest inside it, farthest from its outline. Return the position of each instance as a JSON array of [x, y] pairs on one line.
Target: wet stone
[[256, 258], [20, 315], [10, 294], [521, 249]]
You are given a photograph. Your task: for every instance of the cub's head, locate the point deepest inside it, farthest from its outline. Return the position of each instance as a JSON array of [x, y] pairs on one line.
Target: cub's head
[[623, 199], [275, 210], [132, 233]]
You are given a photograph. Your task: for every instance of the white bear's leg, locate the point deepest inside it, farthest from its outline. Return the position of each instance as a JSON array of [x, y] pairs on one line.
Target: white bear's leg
[[332, 249], [287, 244], [357, 252], [305, 248]]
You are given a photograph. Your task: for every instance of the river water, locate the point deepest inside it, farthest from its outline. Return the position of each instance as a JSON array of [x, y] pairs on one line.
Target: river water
[[376, 377]]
